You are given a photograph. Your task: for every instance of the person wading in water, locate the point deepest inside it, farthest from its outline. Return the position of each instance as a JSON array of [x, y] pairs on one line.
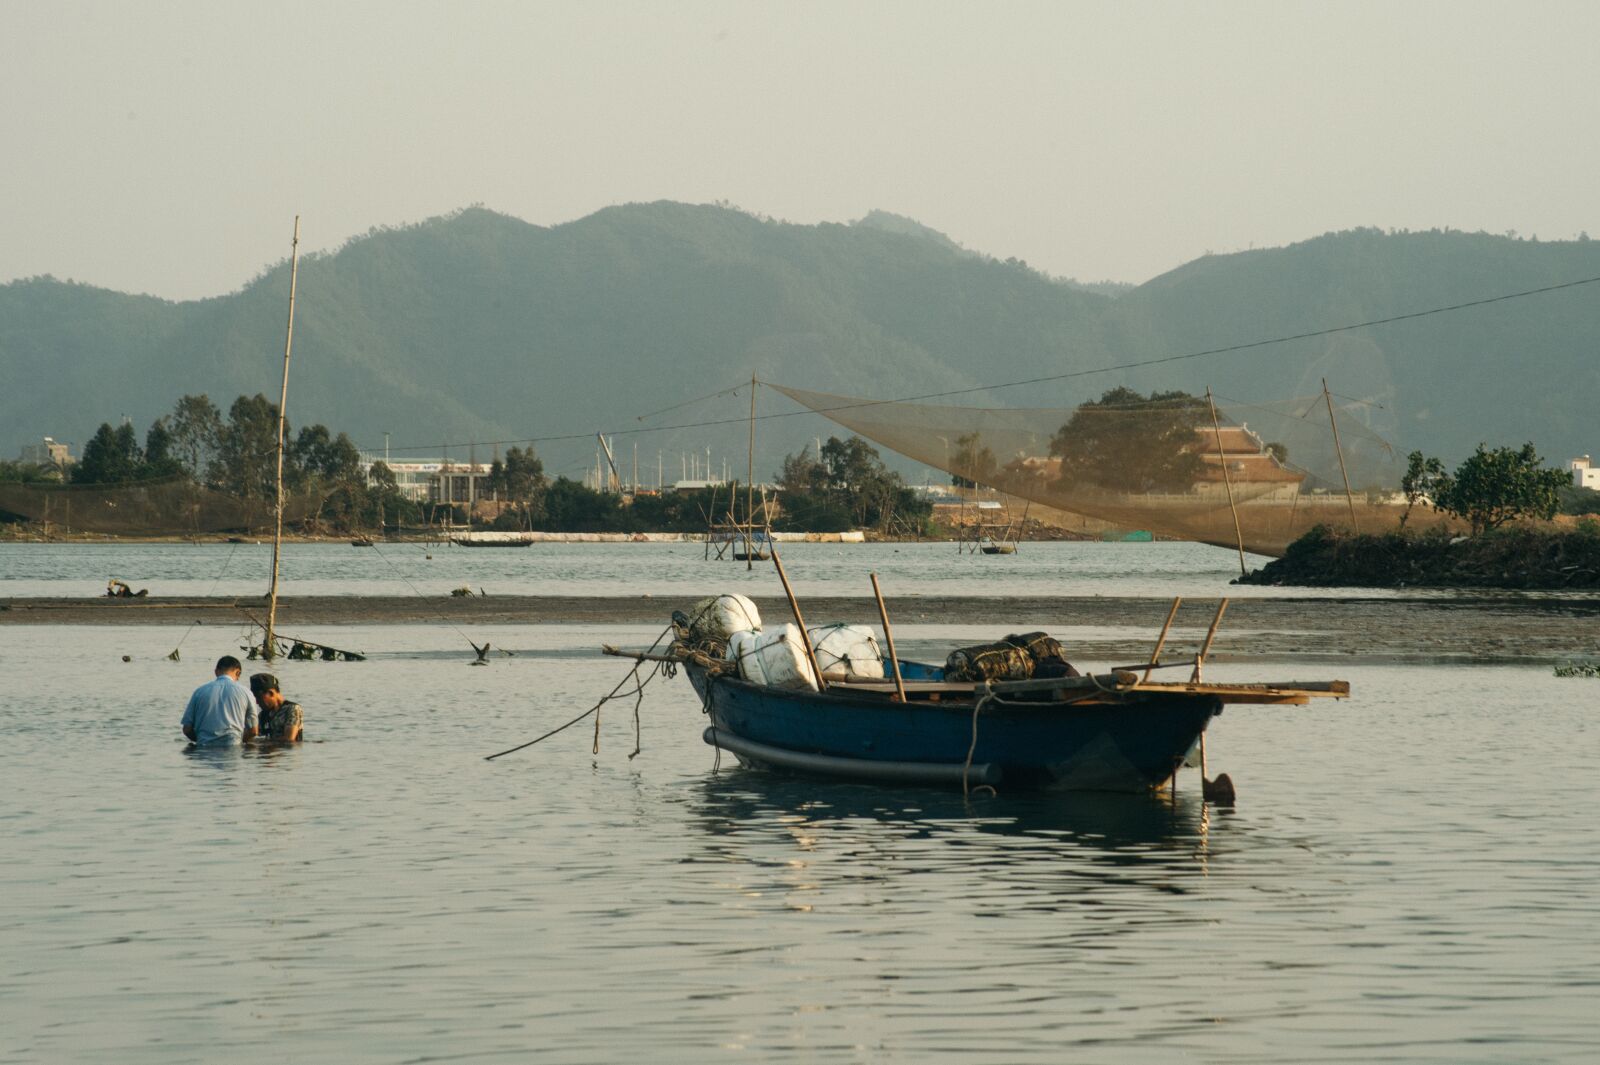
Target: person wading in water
[[280, 719]]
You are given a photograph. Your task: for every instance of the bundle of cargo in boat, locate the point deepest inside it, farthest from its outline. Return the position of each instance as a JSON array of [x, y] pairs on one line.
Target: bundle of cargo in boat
[[848, 649], [1049, 660], [775, 658], [1017, 657], [710, 623]]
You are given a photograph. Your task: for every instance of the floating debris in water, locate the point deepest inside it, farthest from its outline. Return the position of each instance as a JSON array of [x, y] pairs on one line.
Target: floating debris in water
[[1578, 669]]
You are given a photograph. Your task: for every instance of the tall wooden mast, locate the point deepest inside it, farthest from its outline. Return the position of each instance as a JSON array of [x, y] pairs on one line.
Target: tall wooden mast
[[267, 648]]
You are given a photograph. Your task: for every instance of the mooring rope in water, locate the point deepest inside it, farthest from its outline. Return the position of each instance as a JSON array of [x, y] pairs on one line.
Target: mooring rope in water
[[479, 651], [660, 669], [174, 655]]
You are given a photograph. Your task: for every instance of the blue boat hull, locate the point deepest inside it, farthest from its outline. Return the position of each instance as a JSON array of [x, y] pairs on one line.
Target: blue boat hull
[[1130, 741]]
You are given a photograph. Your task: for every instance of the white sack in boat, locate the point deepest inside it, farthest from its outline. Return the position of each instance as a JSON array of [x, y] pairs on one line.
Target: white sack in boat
[[742, 648], [776, 658], [721, 616], [851, 649]]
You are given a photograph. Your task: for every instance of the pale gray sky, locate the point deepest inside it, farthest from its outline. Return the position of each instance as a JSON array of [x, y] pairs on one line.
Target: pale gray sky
[[165, 147]]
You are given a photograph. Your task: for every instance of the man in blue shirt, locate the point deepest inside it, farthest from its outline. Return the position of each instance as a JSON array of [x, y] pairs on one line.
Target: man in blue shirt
[[221, 711]]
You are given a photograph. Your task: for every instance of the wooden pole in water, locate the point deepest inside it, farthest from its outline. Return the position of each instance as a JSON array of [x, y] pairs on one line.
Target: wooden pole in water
[[1205, 648], [794, 605], [749, 485], [1161, 641], [283, 400], [1339, 451], [1227, 480], [888, 637]]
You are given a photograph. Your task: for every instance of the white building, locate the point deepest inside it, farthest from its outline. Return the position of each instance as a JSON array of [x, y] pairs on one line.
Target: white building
[[48, 453], [1585, 474], [439, 480]]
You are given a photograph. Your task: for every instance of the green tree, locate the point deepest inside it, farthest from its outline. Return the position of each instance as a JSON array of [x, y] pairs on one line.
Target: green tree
[[1576, 500], [30, 472], [112, 456], [520, 481], [1421, 481], [196, 427], [381, 477], [1493, 487], [1127, 442], [160, 460], [246, 461], [850, 482], [318, 456], [573, 507], [803, 473]]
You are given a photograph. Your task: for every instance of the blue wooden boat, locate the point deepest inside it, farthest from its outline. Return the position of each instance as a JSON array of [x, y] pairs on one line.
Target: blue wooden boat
[[1109, 732]]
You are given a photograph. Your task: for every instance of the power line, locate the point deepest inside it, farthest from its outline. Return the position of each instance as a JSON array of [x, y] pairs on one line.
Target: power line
[[1228, 349]]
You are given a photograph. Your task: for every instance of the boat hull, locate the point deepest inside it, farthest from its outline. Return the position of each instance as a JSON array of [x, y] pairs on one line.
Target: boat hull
[[1115, 742]]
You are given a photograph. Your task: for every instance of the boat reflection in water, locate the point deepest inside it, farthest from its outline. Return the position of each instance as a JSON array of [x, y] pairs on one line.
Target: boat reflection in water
[[807, 834]]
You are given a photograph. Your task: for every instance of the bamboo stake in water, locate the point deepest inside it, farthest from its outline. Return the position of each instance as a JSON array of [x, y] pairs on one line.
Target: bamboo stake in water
[[794, 605], [750, 486], [1339, 451], [283, 400], [1161, 641], [888, 637], [1227, 480], [1205, 648]]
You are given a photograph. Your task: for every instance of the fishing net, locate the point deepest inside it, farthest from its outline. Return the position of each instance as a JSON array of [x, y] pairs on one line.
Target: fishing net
[[1157, 463], [169, 507]]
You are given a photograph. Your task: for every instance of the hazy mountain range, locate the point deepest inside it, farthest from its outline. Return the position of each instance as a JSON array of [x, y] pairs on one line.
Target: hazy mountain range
[[480, 327]]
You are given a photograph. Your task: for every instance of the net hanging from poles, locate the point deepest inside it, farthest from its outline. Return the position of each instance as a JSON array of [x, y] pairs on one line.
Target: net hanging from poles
[[1156, 463], [168, 507]]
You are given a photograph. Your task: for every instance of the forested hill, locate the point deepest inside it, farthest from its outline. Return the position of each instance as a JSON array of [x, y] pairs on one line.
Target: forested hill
[[480, 327]]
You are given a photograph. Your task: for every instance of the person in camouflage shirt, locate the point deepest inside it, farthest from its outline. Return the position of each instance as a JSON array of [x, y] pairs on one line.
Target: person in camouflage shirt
[[281, 720]]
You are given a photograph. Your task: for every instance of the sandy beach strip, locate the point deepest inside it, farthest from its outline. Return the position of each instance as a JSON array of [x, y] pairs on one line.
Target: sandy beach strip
[[1484, 629]]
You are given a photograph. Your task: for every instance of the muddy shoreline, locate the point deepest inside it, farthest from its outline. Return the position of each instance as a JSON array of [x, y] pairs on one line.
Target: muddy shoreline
[[1448, 630]]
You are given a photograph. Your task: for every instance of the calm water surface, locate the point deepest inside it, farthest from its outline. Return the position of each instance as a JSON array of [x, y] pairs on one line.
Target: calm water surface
[[1413, 876], [1126, 569]]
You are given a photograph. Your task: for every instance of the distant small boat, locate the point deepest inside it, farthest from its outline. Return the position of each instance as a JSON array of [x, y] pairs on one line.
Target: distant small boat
[[361, 541], [998, 547]]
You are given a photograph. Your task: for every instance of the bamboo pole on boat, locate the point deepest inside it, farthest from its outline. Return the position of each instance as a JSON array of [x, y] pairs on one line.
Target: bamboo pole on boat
[[1205, 648], [1161, 641], [267, 650], [1227, 479], [1339, 451], [805, 634], [888, 637]]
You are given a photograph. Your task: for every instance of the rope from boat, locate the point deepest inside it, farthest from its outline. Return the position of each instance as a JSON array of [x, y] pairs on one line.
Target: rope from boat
[[966, 768], [660, 668]]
